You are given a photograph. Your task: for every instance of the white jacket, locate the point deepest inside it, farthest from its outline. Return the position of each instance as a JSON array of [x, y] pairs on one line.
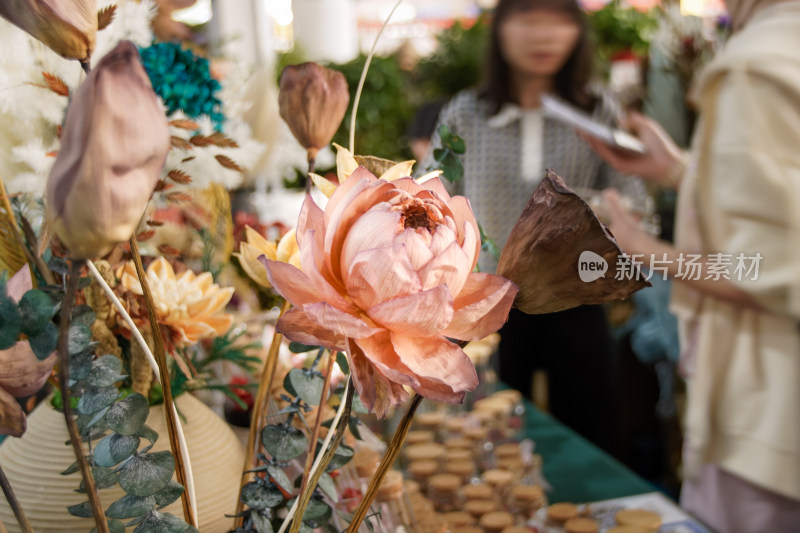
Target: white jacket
[[742, 195]]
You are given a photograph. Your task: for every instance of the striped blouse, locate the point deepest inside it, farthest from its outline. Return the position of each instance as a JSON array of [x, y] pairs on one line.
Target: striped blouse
[[493, 179]]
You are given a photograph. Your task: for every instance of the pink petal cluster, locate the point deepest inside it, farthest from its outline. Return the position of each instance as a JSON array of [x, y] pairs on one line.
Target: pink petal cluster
[[387, 276]]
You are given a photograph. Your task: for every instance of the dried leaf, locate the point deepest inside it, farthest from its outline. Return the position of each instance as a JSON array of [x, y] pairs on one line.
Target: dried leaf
[[54, 153], [183, 144], [179, 176], [154, 223], [201, 140], [187, 159], [227, 162], [106, 16], [184, 124], [166, 249], [12, 256], [544, 252], [162, 186], [55, 84], [222, 141], [145, 235], [58, 131], [178, 197]]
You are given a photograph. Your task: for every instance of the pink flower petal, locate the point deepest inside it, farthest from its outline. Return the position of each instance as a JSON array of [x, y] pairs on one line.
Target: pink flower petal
[[442, 238], [462, 213], [298, 327], [375, 391], [337, 321], [322, 286], [408, 185], [381, 274], [379, 351], [417, 246], [435, 186], [422, 314], [375, 229], [311, 218], [450, 267], [471, 243], [438, 361], [482, 307], [344, 194], [20, 283], [290, 282]]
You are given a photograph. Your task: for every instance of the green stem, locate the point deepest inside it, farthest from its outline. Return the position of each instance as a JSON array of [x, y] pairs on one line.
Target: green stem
[[63, 380]]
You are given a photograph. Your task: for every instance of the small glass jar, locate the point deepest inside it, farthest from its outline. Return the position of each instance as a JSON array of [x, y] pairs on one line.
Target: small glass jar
[[444, 492], [478, 508], [419, 436], [496, 521], [525, 500], [478, 491], [394, 512], [463, 468], [499, 480], [422, 470]]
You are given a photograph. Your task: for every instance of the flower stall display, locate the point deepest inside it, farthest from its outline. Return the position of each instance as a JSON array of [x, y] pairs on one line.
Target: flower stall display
[[377, 287]]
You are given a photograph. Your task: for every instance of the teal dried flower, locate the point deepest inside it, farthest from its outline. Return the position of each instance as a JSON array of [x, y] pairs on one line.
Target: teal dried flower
[[183, 81]]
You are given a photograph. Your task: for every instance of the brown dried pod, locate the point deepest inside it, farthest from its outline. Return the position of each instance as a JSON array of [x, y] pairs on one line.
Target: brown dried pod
[[313, 100], [562, 256]]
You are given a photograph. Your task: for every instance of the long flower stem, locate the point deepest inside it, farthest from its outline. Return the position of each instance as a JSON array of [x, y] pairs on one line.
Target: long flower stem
[[386, 463], [312, 166], [361, 81], [22, 520], [63, 380], [312, 444], [334, 438], [137, 335], [259, 408], [181, 465]]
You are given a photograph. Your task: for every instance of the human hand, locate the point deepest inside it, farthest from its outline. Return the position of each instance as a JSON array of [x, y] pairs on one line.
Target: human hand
[[662, 161], [625, 227]]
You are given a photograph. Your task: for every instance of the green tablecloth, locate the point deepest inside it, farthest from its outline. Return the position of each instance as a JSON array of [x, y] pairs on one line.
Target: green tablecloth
[[577, 470]]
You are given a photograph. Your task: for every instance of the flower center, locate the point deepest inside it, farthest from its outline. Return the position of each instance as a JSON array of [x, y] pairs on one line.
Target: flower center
[[417, 213]]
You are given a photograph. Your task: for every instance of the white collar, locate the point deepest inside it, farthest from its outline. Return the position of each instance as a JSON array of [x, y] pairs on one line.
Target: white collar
[[508, 114]]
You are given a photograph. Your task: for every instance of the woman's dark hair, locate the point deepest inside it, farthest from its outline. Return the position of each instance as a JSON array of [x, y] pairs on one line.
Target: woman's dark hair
[[570, 82]]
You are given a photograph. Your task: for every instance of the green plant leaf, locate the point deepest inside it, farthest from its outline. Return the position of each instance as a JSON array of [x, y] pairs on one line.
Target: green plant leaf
[[317, 513], [79, 337], [146, 432], [341, 360], [147, 474], [340, 458], [168, 494], [296, 347], [128, 415], [259, 495], [10, 321], [81, 510], [130, 506], [45, 342], [328, 487], [80, 364], [358, 405], [103, 478], [156, 522], [83, 315], [261, 523], [115, 448], [114, 526], [95, 399], [71, 469], [35, 311], [105, 371], [279, 477], [283, 442], [307, 384]]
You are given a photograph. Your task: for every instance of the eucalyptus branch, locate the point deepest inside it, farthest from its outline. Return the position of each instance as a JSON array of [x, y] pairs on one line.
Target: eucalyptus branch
[[181, 462], [63, 375], [312, 444]]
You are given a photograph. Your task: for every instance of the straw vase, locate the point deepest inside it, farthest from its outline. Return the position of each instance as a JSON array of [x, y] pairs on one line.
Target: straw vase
[[33, 462]]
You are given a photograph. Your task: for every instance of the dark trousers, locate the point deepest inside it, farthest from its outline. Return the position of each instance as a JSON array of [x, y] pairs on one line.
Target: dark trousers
[[575, 349]]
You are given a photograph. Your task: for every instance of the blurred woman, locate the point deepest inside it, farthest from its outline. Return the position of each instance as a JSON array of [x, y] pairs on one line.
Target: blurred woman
[[538, 47], [738, 219]]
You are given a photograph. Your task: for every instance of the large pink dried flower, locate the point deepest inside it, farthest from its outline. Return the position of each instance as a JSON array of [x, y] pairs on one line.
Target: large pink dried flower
[[387, 277]]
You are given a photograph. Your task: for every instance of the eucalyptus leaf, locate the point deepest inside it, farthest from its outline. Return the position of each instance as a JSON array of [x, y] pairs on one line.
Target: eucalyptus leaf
[[83, 315], [352, 424], [35, 311], [45, 342], [81, 510], [283, 442], [95, 399], [80, 364], [115, 448], [105, 371], [317, 512], [328, 487], [103, 478], [79, 337], [128, 415], [156, 522], [307, 384], [144, 475], [71, 469], [130, 506], [340, 458], [10, 322], [261, 523], [260, 495], [279, 477], [168, 494], [114, 526], [296, 347], [146, 432], [358, 406], [341, 360]]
